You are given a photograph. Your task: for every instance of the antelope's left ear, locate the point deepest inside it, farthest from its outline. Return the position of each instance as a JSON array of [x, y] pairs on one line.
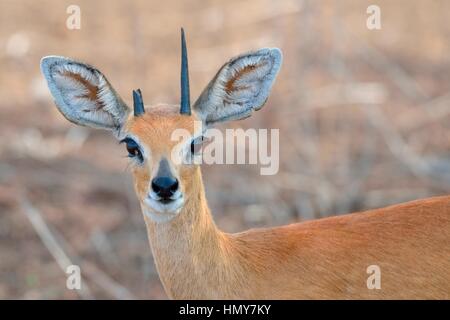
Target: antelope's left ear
[[83, 94], [241, 86]]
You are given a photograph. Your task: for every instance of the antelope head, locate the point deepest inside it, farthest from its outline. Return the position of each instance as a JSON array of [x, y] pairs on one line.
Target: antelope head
[[85, 97]]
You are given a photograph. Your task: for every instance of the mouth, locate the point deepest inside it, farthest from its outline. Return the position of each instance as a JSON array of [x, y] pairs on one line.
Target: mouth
[[160, 209], [166, 201]]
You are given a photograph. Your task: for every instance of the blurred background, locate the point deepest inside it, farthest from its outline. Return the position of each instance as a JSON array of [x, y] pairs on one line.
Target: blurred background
[[364, 119]]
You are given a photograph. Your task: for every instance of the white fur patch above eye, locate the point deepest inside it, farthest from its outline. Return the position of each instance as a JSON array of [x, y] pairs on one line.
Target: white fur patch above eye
[[82, 94], [241, 86]]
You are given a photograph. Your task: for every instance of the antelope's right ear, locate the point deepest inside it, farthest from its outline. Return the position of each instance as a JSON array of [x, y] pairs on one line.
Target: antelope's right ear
[[83, 94]]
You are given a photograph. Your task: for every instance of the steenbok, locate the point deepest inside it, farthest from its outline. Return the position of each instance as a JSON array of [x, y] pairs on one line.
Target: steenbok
[[323, 259]]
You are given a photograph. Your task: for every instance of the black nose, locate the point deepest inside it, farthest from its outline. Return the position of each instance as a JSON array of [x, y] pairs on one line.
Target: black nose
[[165, 187]]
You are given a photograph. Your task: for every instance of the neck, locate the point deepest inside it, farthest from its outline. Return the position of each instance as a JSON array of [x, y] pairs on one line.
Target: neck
[[189, 251]]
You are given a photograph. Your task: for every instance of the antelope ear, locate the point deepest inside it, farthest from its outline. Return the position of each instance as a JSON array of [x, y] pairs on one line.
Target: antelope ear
[[241, 86], [83, 94]]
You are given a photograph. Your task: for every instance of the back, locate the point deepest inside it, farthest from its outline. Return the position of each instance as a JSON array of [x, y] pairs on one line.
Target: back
[[328, 258]]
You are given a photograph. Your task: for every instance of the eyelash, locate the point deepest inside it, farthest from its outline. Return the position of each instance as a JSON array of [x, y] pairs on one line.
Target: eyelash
[[133, 149]]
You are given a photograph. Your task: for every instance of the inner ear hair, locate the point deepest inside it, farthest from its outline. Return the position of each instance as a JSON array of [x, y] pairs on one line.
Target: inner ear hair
[[240, 87], [83, 94]]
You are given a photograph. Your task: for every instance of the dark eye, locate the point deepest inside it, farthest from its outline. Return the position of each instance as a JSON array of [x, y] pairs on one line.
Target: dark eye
[[132, 148], [196, 145]]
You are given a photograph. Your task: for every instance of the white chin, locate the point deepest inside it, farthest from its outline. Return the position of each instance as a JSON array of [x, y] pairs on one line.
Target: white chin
[[162, 212]]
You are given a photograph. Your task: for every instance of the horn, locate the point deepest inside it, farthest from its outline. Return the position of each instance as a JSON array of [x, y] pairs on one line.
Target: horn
[[138, 103], [185, 104]]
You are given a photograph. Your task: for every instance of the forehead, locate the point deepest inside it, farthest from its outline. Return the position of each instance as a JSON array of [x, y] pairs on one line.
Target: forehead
[[156, 125]]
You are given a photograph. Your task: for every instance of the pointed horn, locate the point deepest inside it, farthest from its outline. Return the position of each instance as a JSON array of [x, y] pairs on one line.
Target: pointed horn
[[138, 103], [185, 104]]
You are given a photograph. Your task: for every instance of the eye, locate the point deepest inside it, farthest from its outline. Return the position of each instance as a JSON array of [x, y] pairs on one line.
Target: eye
[[196, 145], [132, 148]]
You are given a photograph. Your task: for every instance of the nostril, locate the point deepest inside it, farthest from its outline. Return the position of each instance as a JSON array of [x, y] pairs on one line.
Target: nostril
[[174, 187], [165, 187], [155, 187]]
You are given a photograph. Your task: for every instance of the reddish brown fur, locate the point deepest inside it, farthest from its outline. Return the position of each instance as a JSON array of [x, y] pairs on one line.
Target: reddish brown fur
[[230, 85], [92, 90], [322, 259]]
